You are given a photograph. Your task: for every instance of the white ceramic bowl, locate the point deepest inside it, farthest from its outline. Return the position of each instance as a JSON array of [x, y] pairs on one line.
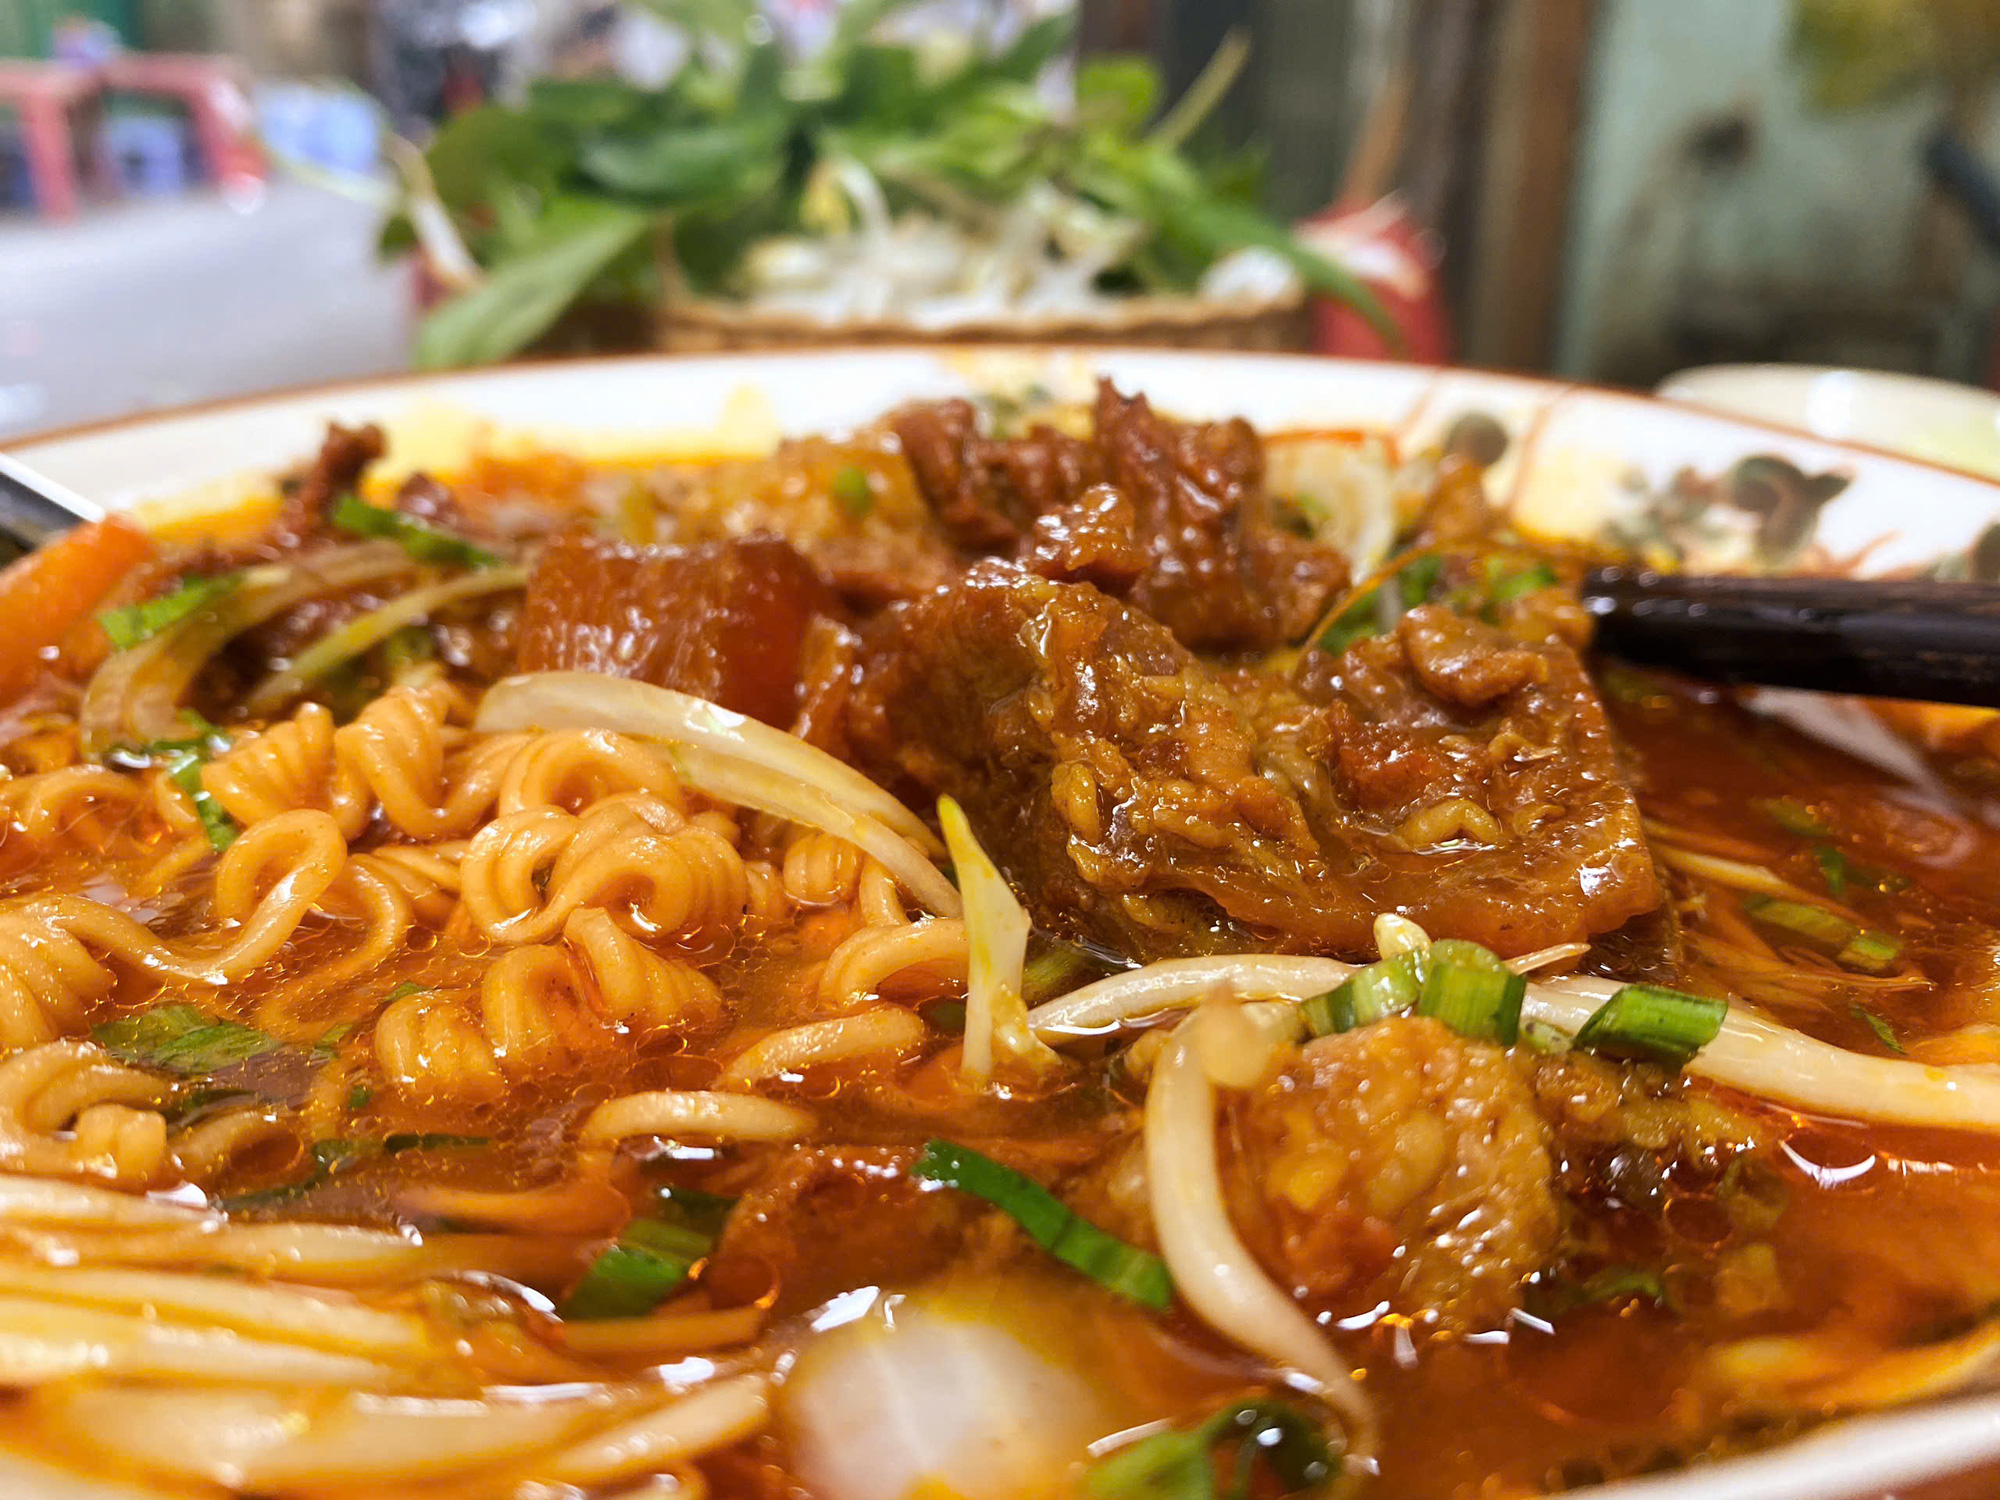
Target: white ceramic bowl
[[1579, 460], [1936, 420]]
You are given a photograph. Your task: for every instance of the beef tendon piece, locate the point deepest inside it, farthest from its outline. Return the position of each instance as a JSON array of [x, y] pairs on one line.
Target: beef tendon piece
[[1107, 772], [1472, 778], [1196, 544], [1398, 1162], [726, 621]]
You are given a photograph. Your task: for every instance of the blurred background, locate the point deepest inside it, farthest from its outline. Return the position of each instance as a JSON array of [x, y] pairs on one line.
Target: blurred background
[[205, 197]]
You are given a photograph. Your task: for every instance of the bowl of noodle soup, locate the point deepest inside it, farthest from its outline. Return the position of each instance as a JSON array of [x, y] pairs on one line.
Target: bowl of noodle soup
[[991, 922]]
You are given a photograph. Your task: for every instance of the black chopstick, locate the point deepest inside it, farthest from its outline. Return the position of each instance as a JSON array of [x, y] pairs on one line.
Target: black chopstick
[[1878, 638]]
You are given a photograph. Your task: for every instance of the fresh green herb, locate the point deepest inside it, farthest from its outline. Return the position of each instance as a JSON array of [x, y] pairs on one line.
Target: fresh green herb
[[182, 1039], [132, 624], [1384, 988], [1551, 1299], [360, 1097], [424, 542], [183, 769], [330, 1039], [1414, 582], [1850, 946], [1793, 816], [1884, 1033], [403, 991], [429, 1140], [647, 1264], [854, 490], [582, 192], [1549, 1041], [1833, 869], [1472, 991], [1648, 1023], [1075, 1242], [1181, 1465]]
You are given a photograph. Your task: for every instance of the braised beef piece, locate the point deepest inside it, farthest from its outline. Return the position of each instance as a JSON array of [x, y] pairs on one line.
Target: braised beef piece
[[309, 496], [1196, 543], [1105, 770], [1142, 800], [726, 621], [1478, 769], [423, 498]]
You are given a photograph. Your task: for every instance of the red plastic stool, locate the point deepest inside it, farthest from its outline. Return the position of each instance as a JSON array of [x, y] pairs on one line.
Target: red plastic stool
[[215, 91], [42, 96]]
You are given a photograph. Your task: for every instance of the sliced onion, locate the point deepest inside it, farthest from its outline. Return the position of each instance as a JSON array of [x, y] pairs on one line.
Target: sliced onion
[[338, 647], [590, 700], [996, 932], [138, 692]]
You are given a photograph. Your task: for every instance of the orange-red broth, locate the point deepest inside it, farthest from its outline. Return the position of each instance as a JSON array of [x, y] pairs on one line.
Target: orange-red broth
[[1895, 1233]]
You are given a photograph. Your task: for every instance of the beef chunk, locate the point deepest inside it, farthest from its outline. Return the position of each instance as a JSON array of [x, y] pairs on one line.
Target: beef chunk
[[309, 496], [1142, 800], [1200, 549], [726, 621], [1399, 1162], [1104, 769], [1478, 771]]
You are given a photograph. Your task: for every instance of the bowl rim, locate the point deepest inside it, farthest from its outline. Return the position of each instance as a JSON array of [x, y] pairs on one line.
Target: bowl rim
[[1554, 386]]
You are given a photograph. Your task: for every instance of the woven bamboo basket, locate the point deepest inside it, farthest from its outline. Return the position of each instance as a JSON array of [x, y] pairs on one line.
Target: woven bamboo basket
[[693, 325]]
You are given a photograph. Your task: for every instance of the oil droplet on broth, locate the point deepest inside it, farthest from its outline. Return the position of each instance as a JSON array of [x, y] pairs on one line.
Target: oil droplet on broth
[[963, 1389]]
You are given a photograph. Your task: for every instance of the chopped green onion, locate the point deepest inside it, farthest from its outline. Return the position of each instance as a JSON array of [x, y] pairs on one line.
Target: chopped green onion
[[1793, 816], [1550, 1041], [646, 1265], [330, 1039], [1884, 1033], [1848, 945], [1052, 971], [1106, 1259], [1550, 1300], [1180, 1465], [1817, 925], [360, 1097], [182, 1039], [426, 1140], [1384, 988], [1833, 869], [132, 624], [944, 1015], [424, 542], [1871, 952], [1648, 1023], [403, 991], [1471, 991], [183, 769], [691, 1208], [1514, 585], [854, 490], [409, 647], [1360, 620], [1417, 577]]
